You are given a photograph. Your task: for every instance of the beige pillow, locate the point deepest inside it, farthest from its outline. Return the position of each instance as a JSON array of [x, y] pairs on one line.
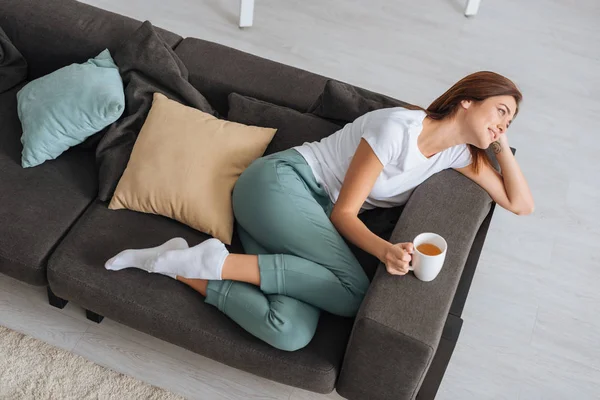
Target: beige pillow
[[184, 165]]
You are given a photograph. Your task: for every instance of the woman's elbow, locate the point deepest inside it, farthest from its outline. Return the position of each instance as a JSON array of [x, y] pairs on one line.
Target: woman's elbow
[[338, 214], [525, 210], [335, 216]]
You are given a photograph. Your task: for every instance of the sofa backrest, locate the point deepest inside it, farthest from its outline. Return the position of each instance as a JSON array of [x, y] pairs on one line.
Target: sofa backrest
[[217, 70], [54, 33]]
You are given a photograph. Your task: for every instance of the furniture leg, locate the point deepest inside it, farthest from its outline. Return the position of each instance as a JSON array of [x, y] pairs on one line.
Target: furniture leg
[[92, 316], [246, 13], [472, 7], [435, 374], [56, 301]]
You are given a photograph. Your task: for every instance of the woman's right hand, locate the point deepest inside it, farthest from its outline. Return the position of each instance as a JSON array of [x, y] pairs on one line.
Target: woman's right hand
[[397, 258]]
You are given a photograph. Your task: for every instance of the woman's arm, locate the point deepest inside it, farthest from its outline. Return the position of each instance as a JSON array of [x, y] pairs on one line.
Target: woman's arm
[[509, 189], [362, 173]]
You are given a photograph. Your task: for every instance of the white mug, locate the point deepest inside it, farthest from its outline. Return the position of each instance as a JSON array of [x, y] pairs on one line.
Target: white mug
[[425, 267]]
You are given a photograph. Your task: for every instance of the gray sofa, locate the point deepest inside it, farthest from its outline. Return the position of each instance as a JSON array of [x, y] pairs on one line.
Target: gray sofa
[[55, 231]]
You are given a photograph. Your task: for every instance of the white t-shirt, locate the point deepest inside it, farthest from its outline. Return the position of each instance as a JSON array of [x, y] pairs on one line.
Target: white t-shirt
[[392, 134]]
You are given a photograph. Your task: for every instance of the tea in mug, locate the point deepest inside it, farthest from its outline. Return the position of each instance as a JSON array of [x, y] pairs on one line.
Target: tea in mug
[[429, 249]]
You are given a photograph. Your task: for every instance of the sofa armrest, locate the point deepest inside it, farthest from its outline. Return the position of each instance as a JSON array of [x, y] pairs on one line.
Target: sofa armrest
[[400, 322]]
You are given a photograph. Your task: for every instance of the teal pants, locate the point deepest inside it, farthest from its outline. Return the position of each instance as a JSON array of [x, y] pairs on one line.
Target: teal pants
[[282, 216]]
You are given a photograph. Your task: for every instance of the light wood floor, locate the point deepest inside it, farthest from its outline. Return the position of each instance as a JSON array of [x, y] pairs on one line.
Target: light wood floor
[[532, 321]]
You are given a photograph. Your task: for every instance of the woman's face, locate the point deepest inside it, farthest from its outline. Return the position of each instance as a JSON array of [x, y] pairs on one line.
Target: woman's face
[[487, 120]]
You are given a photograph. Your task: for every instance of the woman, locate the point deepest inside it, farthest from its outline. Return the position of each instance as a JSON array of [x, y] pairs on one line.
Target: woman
[[293, 207]]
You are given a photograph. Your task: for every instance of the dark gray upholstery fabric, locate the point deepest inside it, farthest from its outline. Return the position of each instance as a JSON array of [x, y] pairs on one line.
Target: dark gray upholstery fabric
[[13, 67], [405, 311], [37, 205], [342, 102], [147, 64], [54, 33], [218, 70], [294, 128], [170, 310], [389, 361]]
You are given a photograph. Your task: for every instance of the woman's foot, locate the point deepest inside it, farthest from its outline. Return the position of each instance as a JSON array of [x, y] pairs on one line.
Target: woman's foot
[[139, 258], [203, 261]]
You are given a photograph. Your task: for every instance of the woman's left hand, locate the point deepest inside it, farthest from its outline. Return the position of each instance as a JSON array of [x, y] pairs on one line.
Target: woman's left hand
[[500, 145], [503, 142]]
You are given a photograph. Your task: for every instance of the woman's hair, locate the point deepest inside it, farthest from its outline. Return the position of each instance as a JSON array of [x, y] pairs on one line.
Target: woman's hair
[[477, 87]]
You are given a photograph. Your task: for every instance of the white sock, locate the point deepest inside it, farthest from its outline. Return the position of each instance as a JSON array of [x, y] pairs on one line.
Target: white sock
[[203, 261], [138, 258]]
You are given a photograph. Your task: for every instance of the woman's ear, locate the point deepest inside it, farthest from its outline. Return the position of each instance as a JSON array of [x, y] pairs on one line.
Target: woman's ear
[[466, 104]]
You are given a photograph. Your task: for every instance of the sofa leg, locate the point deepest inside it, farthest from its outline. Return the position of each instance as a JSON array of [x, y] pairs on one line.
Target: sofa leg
[[92, 316], [56, 301], [441, 359]]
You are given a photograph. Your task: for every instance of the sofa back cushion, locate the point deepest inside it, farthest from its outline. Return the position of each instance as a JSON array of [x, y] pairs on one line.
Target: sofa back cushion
[[13, 67], [342, 103], [293, 127], [54, 33], [217, 70]]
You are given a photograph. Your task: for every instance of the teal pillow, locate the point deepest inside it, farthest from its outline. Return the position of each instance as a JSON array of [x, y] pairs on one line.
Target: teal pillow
[[62, 109]]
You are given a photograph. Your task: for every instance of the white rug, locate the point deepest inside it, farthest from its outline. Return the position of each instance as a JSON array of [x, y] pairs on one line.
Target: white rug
[[32, 369]]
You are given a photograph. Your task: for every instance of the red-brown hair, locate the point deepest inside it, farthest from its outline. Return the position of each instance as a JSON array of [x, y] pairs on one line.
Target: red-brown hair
[[476, 87]]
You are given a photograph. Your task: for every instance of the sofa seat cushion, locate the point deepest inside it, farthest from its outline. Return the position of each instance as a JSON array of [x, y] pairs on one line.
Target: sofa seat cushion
[[37, 205], [172, 311]]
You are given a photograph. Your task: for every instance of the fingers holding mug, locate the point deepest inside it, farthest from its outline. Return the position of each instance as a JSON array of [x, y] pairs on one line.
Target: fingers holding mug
[[397, 267], [398, 258], [405, 267], [408, 247], [407, 256]]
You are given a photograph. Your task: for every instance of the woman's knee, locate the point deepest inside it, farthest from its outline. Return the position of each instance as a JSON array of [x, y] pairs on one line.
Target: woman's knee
[[293, 323], [292, 340]]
